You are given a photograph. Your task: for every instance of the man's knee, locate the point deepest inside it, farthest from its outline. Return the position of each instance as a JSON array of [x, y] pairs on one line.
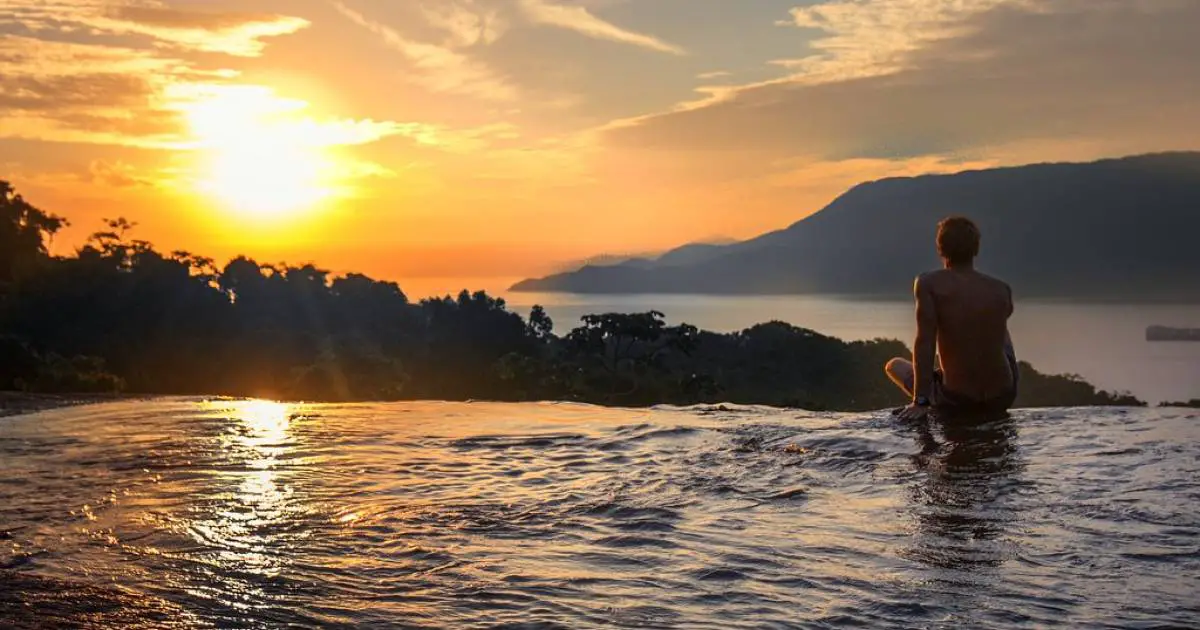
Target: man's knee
[[900, 372], [899, 368]]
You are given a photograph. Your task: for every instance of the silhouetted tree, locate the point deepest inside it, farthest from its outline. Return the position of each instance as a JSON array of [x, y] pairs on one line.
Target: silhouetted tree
[[24, 231], [1041, 390], [463, 338], [627, 357], [541, 327], [119, 314]]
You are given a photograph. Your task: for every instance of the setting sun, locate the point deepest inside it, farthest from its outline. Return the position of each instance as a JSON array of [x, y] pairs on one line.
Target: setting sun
[[259, 158]]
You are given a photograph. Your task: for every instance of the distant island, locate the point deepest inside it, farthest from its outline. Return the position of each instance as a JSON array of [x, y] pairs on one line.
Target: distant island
[[1166, 333], [1118, 229], [696, 250], [121, 316]]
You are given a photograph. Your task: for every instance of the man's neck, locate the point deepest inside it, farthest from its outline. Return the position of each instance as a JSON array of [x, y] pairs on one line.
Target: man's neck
[[959, 266]]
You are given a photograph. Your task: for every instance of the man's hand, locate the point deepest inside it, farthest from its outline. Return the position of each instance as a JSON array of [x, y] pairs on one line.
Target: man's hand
[[914, 412]]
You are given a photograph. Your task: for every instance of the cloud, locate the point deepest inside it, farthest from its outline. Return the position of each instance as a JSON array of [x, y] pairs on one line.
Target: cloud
[[47, 55], [229, 33], [715, 74], [438, 68], [117, 174], [64, 92], [580, 20], [182, 19], [466, 22], [860, 38], [98, 71], [236, 34], [100, 93], [226, 112], [110, 95], [55, 90], [1059, 71]]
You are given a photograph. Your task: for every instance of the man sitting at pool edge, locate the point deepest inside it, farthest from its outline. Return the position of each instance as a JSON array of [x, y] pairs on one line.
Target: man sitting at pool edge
[[962, 324]]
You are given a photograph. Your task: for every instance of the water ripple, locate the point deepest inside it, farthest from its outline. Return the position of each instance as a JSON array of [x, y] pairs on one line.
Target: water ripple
[[249, 514]]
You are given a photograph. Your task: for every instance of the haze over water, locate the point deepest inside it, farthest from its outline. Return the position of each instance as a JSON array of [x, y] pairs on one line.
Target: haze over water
[[254, 514], [1104, 343]]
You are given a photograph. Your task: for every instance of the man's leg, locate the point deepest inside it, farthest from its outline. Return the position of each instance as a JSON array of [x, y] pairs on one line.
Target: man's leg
[[1011, 355], [900, 371], [1014, 365]]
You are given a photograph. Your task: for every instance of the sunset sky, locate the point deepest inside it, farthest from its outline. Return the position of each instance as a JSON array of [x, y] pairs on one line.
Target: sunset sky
[[418, 139]]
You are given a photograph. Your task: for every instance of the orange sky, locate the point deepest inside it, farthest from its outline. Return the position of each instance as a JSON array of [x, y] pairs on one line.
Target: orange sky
[[431, 139]]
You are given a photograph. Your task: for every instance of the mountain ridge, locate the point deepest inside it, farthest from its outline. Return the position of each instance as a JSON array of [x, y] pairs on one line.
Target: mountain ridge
[[1116, 228]]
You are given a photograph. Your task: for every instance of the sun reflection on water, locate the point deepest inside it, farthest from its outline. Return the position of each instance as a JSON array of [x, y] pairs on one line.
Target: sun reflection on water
[[248, 523], [265, 423]]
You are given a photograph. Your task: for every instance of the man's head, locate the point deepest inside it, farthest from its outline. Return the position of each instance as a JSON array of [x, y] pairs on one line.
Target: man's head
[[957, 240]]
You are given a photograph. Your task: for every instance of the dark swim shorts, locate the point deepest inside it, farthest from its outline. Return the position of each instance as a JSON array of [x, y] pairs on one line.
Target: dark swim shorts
[[947, 403]]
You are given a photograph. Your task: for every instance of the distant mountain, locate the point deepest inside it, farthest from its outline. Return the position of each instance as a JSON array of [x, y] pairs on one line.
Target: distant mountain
[[1120, 229], [692, 252], [605, 260]]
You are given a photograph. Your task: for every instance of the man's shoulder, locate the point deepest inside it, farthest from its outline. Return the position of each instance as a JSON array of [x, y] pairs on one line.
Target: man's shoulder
[[941, 280], [932, 276], [995, 281]]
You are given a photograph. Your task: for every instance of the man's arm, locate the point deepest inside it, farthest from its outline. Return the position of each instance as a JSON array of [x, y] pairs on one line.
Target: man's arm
[[925, 346], [1011, 308]]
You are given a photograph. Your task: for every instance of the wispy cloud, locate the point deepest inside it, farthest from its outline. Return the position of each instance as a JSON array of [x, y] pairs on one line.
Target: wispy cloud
[[466, 22], [222, 112], [146, 91], [56, 90], [438, 68], [970, 82], [230, 33], [715, 74], [117, 174], [580, 20], [67, 79], [860, 38]]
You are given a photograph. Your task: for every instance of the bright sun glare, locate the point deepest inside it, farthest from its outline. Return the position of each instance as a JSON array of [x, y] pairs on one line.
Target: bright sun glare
[[261, 158]]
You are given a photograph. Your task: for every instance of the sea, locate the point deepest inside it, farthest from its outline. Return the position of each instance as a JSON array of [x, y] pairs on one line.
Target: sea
[[216, 513], [1103, 343]]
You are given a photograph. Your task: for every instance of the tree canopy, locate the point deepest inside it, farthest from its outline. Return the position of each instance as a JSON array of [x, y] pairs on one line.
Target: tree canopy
[[119, 315]]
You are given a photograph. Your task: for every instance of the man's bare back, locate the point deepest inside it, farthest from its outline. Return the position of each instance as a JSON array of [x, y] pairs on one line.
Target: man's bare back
[[963, 359], [969, 314]]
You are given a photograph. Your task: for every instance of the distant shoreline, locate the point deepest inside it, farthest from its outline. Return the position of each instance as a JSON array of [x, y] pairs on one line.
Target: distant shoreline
[[13, 404], [870, 297], [21, 403]]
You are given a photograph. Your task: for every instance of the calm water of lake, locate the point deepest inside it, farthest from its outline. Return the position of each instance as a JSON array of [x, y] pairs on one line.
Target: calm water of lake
[[1104, 343]]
